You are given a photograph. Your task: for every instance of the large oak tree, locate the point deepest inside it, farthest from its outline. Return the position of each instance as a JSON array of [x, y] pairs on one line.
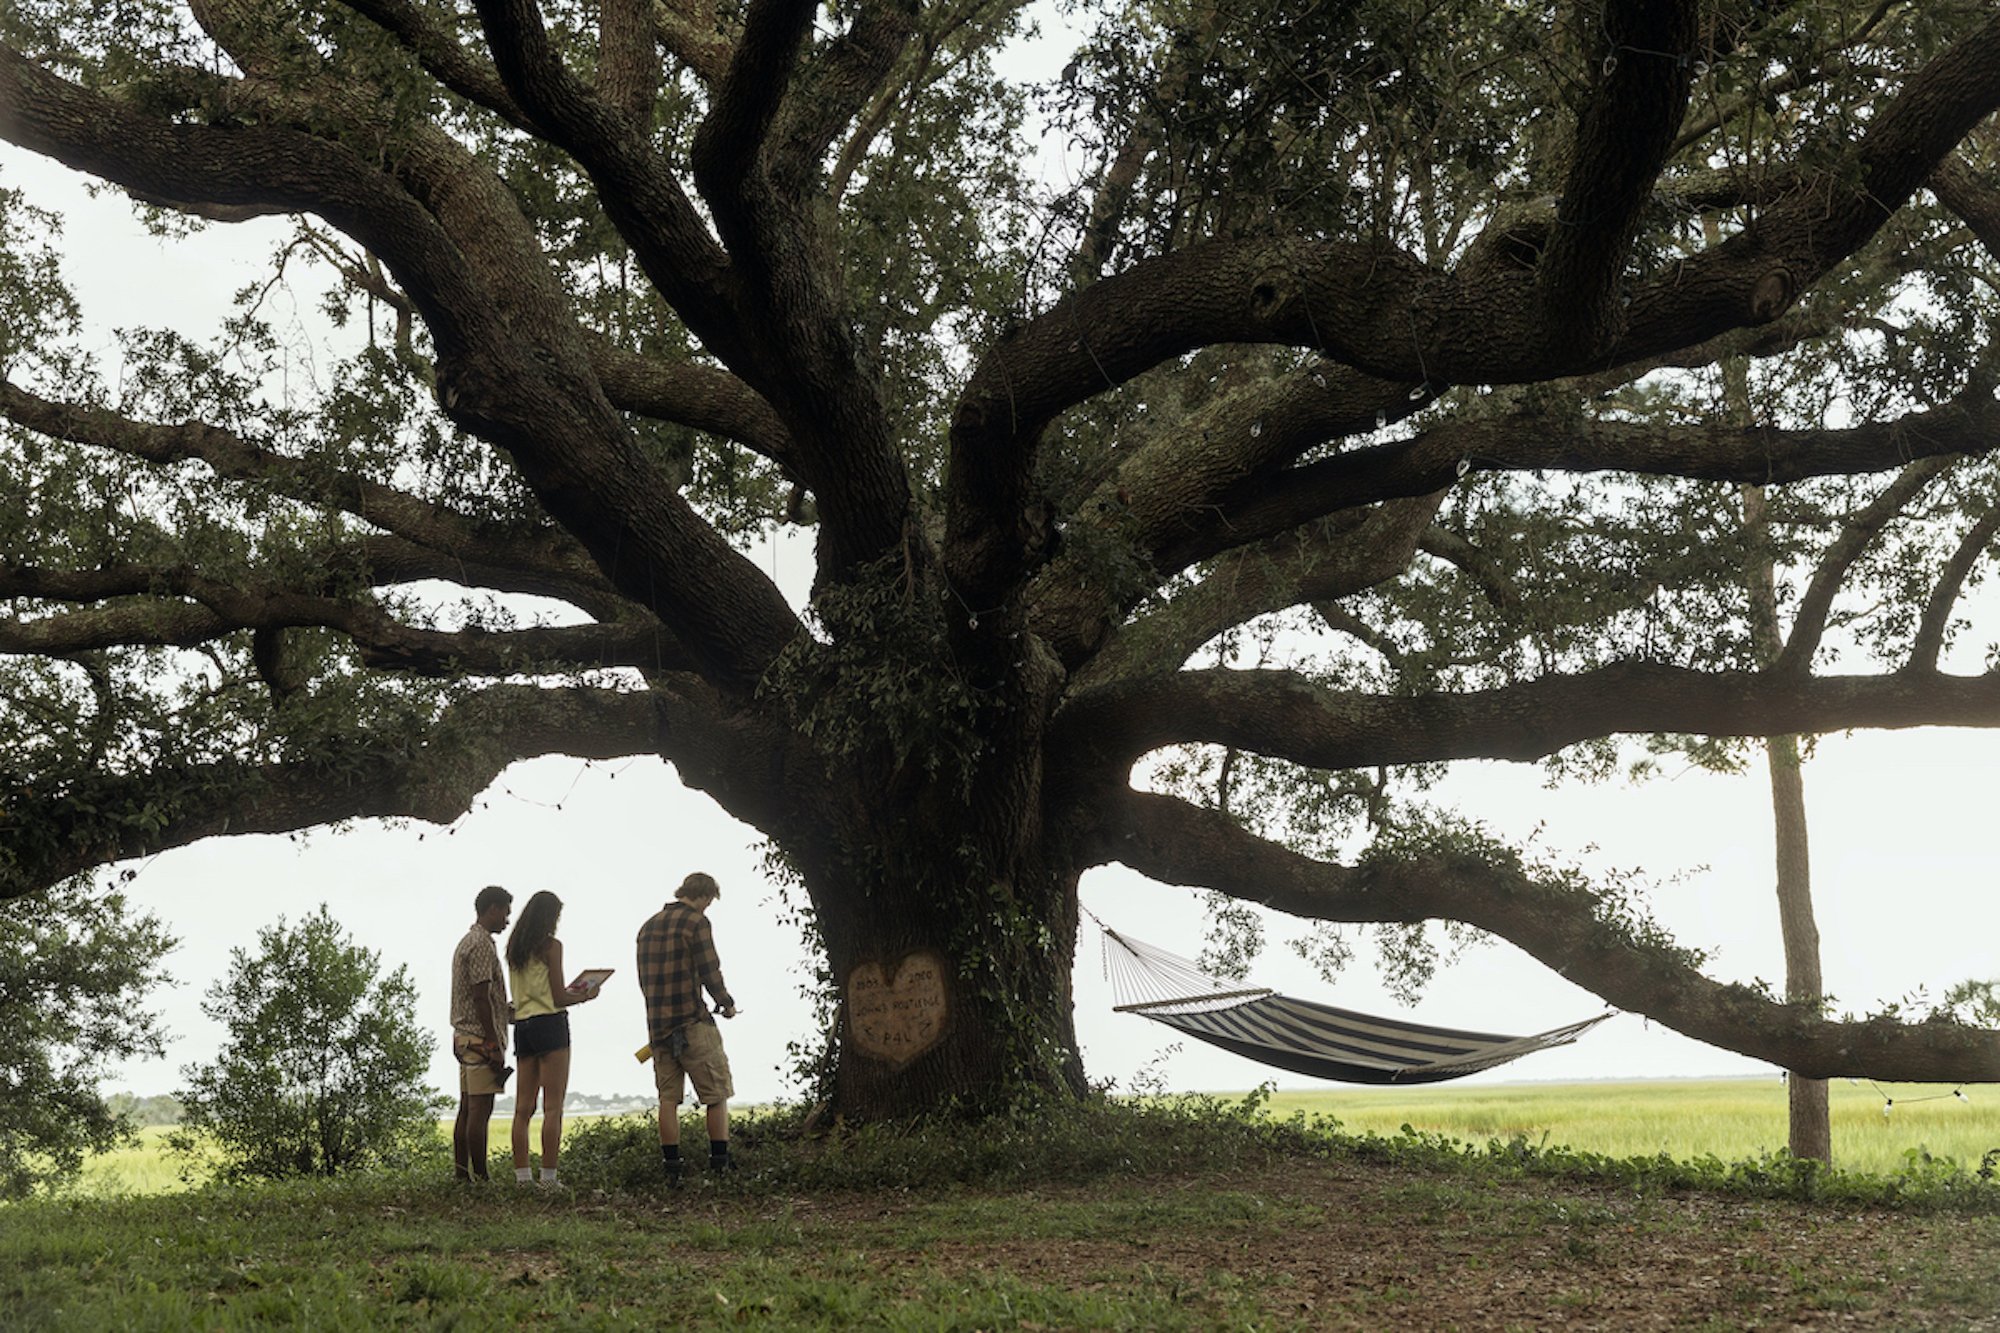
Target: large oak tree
[[1352, 407]]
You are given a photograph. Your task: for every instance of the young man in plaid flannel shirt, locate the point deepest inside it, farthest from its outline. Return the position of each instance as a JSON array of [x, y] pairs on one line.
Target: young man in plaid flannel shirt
[[676, 963]]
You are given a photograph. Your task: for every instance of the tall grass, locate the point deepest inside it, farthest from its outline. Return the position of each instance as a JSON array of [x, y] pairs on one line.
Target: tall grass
[[1731, 1119], [1726, 1118], [145, 1167]]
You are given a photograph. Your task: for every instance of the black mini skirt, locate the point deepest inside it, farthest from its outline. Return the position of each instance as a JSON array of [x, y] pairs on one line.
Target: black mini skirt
[[541, 1034]]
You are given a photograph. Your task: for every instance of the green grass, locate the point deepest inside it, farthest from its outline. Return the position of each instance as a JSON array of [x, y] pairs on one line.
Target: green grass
[[1727, 1118], [144, 1168], [1686, 1119], [412, 1254], [148, 1168], [1185, 1213]]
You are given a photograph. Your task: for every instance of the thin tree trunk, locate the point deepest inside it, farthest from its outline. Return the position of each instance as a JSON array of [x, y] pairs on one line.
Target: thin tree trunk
[[1810, 1126], [1811, 1130]]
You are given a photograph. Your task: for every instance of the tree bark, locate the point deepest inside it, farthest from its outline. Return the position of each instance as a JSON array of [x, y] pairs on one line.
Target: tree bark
[[1808, 1118], [1810, 1132], [952, 1000], [1811, 1129]]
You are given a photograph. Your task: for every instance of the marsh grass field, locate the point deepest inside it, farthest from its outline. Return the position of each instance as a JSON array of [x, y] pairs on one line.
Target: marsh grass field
[[1725, 1118]]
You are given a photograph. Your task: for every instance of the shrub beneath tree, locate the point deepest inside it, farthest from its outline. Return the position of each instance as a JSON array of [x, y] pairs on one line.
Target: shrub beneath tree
[[323, 1070]]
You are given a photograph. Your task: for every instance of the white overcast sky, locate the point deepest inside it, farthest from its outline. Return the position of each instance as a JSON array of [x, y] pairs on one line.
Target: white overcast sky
[[1903, 855]]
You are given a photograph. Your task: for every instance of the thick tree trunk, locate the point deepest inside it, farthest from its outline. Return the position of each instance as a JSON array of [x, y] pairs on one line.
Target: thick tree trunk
[[955, 999]]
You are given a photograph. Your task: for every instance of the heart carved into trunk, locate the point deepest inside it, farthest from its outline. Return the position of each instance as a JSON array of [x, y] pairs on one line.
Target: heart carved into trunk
[[898, 1013]]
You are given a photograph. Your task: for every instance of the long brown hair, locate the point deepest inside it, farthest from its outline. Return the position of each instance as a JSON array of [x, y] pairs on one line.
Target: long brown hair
[[533, 929]]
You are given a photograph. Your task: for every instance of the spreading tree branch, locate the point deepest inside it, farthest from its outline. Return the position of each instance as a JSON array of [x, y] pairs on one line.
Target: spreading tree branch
[[706, 398], [1383, 312], [1809, 621], [424, 36], [695, 33], [1564, 925], [555, 560], [730, 167], [628, 62], [1756, 455], [851, 75], [1624, 134], [640, 194], [1288, 716], [523, 384], [1959, 188], [1322, 561], [1975, 544], [175, 607], [48, 836]]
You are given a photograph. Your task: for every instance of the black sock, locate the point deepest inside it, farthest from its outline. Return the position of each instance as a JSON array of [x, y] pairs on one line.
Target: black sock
[[670, 1152], [718, 1148]]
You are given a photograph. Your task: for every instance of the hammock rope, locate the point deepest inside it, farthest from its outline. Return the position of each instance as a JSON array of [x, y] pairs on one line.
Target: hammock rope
[[1145, 978], [1301, 1035]]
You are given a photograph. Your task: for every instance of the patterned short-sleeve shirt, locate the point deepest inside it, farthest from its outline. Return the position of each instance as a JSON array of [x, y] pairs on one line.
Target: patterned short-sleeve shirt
[[473, 961]]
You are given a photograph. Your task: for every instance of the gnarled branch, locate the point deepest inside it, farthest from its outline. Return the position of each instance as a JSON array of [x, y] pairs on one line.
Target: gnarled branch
[[1288, 716], [1330, 559], [1809, 621], [1561, 925], [1975, 544], [47, 836]]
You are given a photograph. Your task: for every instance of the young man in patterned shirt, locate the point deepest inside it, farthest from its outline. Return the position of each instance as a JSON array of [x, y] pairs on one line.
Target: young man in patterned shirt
[[478, 1025], [676, 963]]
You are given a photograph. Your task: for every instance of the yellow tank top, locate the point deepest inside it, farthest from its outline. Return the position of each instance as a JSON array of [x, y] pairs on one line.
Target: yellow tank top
[[532, 993]]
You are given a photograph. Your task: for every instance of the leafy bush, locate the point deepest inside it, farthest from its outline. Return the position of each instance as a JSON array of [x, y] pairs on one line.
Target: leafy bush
[[74, 967], [323, 1070]]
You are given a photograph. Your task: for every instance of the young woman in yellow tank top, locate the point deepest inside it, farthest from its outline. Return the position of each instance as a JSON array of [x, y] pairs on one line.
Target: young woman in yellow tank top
[[541, 1029]]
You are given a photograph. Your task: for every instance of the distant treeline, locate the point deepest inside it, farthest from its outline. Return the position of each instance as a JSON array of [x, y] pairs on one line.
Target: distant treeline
[[165, 1109], [589, 1105]]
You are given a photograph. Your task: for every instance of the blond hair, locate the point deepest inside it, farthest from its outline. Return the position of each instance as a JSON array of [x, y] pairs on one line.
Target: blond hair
[[698, 888]]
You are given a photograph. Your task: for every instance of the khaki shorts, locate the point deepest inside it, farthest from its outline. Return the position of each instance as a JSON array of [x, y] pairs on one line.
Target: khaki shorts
[[702, 1062], [474, 1080]]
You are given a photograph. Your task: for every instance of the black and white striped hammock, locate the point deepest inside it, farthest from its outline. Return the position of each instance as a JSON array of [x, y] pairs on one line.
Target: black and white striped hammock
[[1306, 1038]]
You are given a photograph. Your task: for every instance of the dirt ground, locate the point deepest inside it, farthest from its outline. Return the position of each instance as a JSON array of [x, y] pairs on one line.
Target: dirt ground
[[1355, 1246]]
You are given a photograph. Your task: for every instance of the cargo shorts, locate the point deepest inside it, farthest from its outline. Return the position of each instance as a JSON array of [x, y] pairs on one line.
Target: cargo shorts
[[701, 1061], [476, 1078]]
